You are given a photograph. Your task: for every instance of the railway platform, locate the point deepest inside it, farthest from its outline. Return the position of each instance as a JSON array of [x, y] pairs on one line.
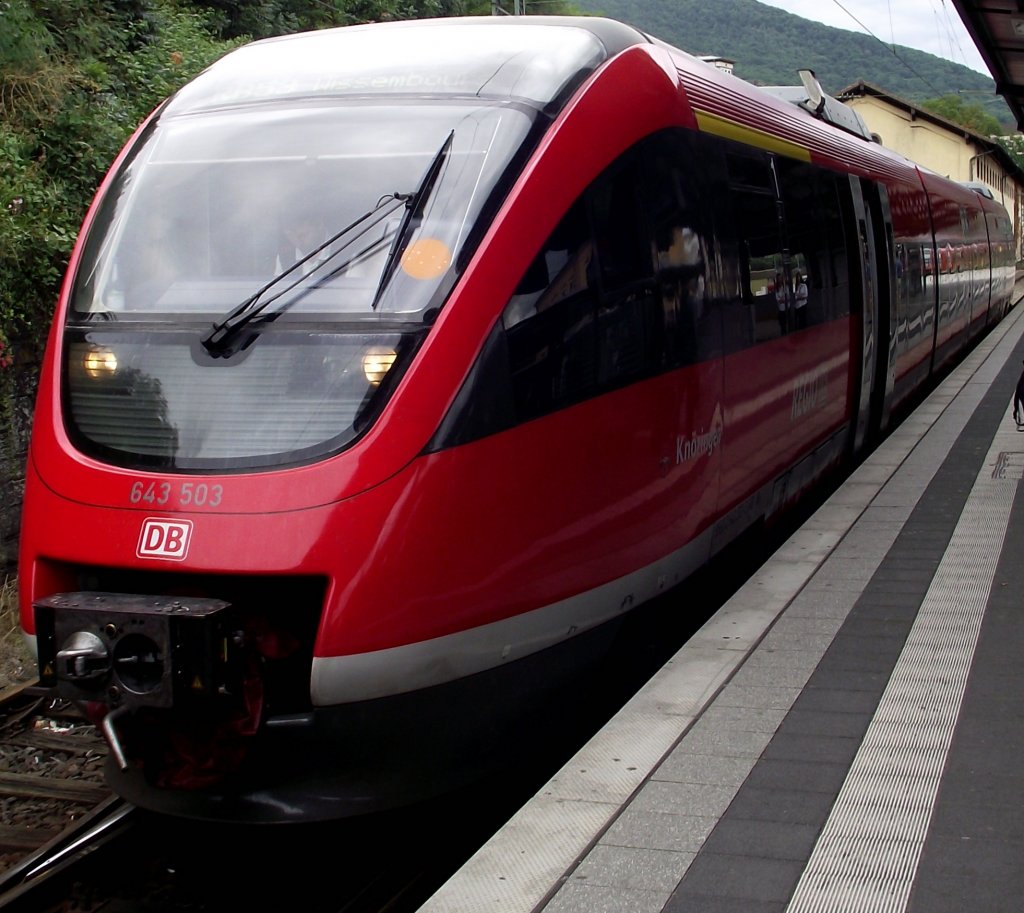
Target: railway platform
[[845, 733]]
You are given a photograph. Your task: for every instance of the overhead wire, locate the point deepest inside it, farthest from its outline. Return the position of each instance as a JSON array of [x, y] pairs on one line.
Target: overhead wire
[[952, 34], [890, 47]]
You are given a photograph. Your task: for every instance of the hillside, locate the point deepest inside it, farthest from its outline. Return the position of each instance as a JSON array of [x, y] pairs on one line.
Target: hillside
[[769, 46]]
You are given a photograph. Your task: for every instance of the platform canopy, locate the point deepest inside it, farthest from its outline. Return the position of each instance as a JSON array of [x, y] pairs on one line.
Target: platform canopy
[[997, 27]]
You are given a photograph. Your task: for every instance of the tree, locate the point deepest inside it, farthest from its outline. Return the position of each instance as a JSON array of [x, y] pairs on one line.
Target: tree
[[75, 79], [967, 114], [1014, 146], [267, 18]]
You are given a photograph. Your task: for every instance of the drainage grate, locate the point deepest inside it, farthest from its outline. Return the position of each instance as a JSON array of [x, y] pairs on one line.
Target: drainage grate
[[1009, 465]]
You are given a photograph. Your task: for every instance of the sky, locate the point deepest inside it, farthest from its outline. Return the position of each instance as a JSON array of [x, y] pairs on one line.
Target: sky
[[933, 26]]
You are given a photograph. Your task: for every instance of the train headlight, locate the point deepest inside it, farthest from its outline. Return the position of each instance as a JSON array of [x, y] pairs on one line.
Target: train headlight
[[99, 362], [377, 361]]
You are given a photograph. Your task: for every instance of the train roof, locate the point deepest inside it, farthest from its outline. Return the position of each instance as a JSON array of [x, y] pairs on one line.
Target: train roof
[[787, 120], [535, 59]]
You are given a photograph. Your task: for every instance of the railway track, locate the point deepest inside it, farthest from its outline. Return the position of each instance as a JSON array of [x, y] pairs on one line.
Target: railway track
[[51, 770], [55, 808], [42, 880]]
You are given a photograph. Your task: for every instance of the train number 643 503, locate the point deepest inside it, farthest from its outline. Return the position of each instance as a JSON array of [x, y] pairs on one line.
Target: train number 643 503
[[186, 494]]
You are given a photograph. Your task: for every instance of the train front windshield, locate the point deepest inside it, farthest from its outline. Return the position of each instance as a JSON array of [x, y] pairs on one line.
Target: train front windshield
[[321, 237]]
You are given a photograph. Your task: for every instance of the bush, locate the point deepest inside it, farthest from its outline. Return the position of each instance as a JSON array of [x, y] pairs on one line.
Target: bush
[[72, 92]]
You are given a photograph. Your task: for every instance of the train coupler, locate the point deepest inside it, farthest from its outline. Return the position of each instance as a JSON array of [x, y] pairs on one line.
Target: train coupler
[[132, 651]]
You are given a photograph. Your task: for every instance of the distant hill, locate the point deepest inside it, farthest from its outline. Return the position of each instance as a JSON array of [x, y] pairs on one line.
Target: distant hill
[[769, 46]]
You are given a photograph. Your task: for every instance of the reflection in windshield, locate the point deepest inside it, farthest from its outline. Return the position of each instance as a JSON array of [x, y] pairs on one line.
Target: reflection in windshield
[[324, 259], [213, 207]]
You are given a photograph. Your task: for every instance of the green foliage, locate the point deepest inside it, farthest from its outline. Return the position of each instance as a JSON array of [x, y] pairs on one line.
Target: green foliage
[[76, 77], [33, 78], [1014, 146], [36, 232], [967, 114], [266, 18]]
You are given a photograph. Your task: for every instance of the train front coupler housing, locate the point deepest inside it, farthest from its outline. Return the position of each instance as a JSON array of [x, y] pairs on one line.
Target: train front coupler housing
[[131, 652]]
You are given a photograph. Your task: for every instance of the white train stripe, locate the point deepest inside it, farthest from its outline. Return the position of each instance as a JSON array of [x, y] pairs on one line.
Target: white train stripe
[[365, 676]]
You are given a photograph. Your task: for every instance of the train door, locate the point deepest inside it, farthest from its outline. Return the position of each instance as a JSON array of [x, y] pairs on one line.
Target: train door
[[1001, 260], [876, 199], [996, 308], [949, 224], [872, 372], [979, 264]]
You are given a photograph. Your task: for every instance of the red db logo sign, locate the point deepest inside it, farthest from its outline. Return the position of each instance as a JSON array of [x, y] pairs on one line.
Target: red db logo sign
[[164, 539]]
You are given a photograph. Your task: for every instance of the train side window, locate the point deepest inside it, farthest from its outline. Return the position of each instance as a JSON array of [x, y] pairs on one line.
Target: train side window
[[767, 297], [623, 251], [750, 170], [549, 321], [808, 240], [689, 329], [627, 320], [580, 321], [830, 188]]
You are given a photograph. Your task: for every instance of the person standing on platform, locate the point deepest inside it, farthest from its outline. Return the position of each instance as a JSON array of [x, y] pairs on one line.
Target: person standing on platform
[[800, 304], [784, 301], [1018, 403]]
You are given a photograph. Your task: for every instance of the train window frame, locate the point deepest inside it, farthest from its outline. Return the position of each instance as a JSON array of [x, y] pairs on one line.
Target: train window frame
[[743, 163]]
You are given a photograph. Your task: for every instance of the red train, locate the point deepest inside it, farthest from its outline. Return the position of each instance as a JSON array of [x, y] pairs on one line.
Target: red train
[[395, 363]]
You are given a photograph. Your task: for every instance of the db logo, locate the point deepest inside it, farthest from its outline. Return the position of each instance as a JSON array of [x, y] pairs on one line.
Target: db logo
[[164, 539]]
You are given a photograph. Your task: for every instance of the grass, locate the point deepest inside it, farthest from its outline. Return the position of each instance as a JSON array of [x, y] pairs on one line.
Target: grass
[[8, 607], [16, 662]]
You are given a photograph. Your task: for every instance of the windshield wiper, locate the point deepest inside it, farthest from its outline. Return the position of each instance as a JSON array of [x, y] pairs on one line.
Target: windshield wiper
[[228, 327], [414, 210]]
